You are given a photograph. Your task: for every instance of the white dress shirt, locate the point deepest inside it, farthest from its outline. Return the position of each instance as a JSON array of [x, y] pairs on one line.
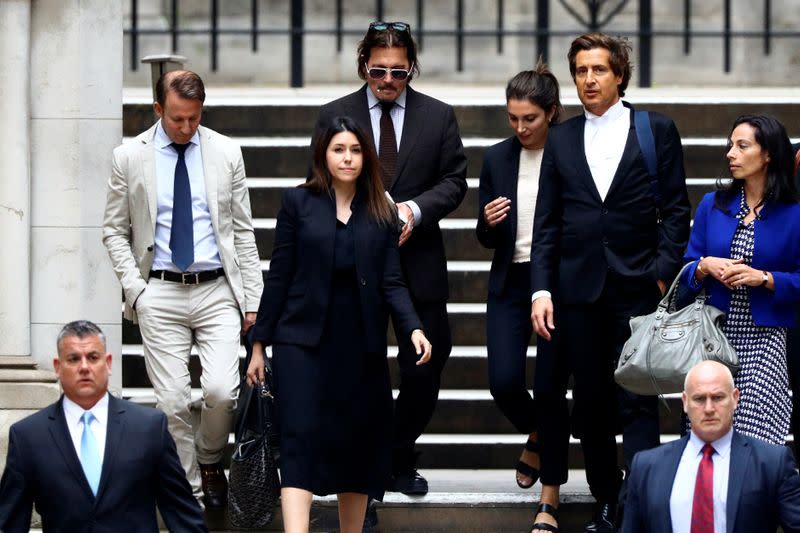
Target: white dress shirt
[[398, 114], [682, 496], [206, 253], [604, 139], [74, 413], [530, 163]]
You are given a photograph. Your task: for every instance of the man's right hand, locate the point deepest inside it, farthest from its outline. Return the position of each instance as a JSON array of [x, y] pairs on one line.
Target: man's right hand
[[542, 317]]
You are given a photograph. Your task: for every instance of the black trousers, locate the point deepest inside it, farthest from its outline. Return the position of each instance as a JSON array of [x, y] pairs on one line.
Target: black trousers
[[591, 337], [419, 385], [508, 334]]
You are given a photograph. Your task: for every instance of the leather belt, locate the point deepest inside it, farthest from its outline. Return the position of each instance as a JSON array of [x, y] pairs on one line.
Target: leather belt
[[187, 278]]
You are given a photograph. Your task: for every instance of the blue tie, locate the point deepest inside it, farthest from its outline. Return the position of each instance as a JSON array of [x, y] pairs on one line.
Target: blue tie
[[90, 454], [181, 238]]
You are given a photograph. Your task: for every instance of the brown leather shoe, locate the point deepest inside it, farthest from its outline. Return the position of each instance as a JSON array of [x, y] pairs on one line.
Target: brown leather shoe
[[215, 485]]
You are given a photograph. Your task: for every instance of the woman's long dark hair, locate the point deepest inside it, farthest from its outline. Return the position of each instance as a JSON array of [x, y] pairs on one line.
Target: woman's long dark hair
[[368, 183], [780, 187], [538, 86]]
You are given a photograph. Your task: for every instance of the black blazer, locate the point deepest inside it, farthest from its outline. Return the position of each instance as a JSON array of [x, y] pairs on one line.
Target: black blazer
[[297, 288], [578, 237], [499, 176], [763, 488], [140, 470], [431, 171]]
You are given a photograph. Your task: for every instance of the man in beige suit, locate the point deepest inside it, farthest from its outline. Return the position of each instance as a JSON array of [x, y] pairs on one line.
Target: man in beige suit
[[179, 233]]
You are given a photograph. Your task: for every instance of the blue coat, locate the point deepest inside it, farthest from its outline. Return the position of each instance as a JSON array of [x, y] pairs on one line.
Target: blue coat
[[297, 288], [763, 488], [777, 250], [140, 470]]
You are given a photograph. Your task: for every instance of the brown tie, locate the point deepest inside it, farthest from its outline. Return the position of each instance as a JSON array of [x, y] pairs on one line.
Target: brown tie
[[387, 151]]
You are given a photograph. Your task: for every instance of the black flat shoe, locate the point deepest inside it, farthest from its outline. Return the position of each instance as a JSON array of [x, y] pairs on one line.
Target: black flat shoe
[[410, 483], [604, 519], [546, 508], [527, 470]]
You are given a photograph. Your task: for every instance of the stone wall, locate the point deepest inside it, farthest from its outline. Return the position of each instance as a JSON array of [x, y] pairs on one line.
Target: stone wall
[[482, 63]]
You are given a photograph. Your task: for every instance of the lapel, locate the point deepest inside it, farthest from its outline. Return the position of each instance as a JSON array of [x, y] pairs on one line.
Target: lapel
[[669, 468], [740, 455], [586, 173], [115, 426], [357, 107], [629, 155], [61, 437], [509, 179], [148, 155], [210, 176], [412, 127]]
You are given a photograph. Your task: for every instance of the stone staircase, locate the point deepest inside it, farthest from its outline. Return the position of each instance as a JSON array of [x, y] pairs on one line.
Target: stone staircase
[[469, 448]]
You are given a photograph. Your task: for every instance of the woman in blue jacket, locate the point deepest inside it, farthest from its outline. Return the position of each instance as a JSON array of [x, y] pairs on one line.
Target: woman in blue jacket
[[334, 276], [745, 245]]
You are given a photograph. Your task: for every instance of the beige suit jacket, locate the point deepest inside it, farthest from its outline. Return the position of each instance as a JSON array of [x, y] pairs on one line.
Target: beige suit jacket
[[129, 226]]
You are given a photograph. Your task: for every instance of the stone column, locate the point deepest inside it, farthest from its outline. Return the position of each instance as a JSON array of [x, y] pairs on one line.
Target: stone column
[[76, 121], [23, 388]]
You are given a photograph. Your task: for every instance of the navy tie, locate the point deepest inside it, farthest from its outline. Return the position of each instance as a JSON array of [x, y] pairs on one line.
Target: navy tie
[[181, 237]]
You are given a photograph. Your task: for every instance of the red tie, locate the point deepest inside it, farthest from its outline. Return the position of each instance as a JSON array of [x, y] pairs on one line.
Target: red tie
[[703, 506]]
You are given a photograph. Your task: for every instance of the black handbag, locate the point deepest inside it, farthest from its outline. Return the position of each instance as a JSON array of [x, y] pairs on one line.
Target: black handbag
[[254, 486]]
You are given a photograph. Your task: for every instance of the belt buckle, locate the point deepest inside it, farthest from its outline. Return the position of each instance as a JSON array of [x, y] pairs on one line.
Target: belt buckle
[[192, 277]]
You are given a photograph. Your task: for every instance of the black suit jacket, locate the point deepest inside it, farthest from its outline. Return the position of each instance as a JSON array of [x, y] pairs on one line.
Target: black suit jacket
[[140, 470], [499, 176], [431, 171], [578, 237], [297, 288], [763, 488]]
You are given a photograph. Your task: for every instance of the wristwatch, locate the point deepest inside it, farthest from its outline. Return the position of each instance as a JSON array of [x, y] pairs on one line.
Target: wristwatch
[[764, 278]]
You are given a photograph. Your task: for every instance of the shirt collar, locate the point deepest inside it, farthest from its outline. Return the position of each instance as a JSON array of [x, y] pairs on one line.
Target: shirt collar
[[162, 140], [722, 446], [73, 412], [613, 113], [373, 101]]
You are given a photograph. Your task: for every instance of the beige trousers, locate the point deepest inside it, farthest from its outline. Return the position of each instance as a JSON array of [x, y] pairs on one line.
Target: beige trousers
[[172, 317]]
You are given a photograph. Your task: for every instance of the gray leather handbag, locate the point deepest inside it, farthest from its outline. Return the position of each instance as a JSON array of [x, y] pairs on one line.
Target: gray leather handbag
[[666, 344]]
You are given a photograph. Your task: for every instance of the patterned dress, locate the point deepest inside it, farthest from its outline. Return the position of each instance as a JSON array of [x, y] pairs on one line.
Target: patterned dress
[[764, 407]]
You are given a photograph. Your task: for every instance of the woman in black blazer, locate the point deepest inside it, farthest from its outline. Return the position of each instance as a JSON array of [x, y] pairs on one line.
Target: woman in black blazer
[[334, 277], [507, 198]]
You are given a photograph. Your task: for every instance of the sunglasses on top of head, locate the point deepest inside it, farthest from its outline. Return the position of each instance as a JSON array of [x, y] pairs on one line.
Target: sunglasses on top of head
[[378, 73], [383, 26]]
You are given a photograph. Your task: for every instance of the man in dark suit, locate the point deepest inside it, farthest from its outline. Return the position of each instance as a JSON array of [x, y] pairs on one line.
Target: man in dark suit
[[607, 239], [424, 170], [92, 462], [715, 478]]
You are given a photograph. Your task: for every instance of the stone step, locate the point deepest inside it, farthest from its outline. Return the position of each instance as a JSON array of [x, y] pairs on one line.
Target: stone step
[[265, 196], [467, 326], [480, 110], [466, 368], [289, 158]]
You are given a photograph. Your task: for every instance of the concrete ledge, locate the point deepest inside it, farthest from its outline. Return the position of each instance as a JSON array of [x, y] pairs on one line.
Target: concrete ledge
[[27, 396]]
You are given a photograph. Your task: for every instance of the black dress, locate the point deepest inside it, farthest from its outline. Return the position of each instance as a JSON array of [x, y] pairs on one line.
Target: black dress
[[335, 400]]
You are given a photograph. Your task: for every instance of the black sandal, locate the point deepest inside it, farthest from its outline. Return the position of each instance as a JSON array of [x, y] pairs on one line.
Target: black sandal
[[527, 470], [546, 508]]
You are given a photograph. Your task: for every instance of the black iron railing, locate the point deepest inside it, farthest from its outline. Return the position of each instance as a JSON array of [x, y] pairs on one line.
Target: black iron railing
[[593, 15]]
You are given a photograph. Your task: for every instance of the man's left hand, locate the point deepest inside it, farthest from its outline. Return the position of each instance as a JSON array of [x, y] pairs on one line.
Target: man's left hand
[[249, 320], [405, 212]]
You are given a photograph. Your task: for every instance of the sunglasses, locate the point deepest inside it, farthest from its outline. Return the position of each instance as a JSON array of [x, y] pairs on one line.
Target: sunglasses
[[383, 26], [378, 73]]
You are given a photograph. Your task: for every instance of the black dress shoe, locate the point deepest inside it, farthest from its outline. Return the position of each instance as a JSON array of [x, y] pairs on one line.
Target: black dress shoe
[[410, 483], [215, 485], [370, 518], [603, 520]]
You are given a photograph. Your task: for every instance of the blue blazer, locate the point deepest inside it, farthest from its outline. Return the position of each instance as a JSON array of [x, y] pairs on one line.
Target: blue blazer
[[297, 288], [499, 176], [777, 250], [140, 470], [763, 488]]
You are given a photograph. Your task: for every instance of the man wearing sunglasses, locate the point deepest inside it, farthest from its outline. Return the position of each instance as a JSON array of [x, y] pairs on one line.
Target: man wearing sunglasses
[[419, 146]]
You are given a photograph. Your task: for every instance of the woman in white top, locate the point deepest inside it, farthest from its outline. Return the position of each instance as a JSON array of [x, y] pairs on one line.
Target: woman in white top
[[509, 185]]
